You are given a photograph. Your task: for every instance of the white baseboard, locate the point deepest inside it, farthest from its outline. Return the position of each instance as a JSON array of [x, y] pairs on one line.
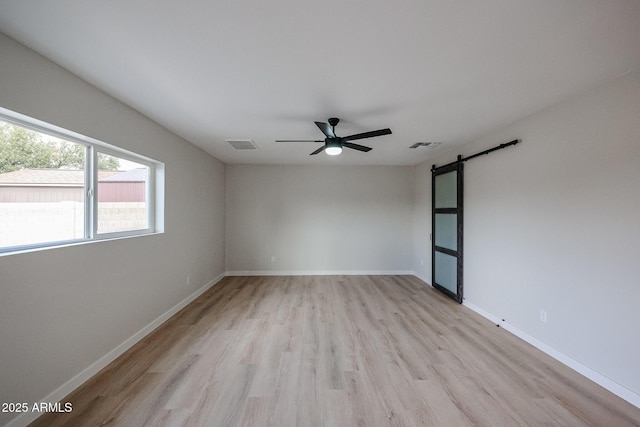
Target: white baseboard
[[79, 379], [321, 273], [614, 387]]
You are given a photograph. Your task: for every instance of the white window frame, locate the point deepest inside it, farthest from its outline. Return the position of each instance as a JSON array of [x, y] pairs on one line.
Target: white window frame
[[154, 187]]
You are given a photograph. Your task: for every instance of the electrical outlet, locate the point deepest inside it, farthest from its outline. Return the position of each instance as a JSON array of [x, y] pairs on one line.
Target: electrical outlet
[[273, 259], [188, 280], [543, 316]]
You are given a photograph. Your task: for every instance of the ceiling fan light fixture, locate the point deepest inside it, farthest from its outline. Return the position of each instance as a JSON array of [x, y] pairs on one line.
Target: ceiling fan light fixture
[[333, 151], [333, 148]]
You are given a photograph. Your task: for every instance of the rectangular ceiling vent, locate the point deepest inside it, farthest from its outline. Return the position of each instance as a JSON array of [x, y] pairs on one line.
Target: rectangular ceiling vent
[[425, 144], [242, 144]]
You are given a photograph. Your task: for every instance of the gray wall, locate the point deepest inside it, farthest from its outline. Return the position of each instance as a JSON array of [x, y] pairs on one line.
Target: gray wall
[[319, 219], [553, 224], [63, 309]]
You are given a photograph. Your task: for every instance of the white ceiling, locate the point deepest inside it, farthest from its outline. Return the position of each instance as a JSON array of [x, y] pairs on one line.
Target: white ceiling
[[448, 71]]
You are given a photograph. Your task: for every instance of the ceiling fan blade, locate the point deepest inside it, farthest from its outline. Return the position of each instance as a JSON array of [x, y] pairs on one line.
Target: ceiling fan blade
[[371, 134], [319, 150], [356, 146], [326, 129], [299, 140]]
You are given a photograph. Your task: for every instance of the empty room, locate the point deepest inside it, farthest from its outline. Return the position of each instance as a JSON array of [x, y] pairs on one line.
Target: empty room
[[420, 213]]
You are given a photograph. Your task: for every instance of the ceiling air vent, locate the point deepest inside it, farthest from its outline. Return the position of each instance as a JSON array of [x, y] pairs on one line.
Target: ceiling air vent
[[425, 144], [242, 144]]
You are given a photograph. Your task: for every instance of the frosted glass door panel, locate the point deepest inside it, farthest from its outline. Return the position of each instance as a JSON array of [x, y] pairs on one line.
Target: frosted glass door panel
[[447, 271], [447, 190], [447, 231]]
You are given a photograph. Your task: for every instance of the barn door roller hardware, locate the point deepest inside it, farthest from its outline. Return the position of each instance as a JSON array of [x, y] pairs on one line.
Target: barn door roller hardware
[[473, 156]]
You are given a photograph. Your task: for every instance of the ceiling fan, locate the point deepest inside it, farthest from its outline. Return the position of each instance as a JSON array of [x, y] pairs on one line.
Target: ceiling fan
[[333, 144]]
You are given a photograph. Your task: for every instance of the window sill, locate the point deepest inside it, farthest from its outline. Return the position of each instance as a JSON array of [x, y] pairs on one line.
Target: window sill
[[67, 244]]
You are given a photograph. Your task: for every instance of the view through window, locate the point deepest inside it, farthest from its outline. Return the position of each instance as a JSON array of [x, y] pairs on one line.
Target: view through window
[[56, 190], [42, 180], [122, 194]]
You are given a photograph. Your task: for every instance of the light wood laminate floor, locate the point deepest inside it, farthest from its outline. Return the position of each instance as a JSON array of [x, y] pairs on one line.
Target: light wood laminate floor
[[336, 351]]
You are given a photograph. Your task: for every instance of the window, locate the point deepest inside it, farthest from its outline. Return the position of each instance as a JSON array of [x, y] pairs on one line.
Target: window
[[58, 187], [122, 195]]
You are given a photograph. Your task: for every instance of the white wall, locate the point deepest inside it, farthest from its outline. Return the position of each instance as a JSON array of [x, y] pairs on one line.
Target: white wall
[[63, 309], [422, 222], [553, 224], [319, 219]]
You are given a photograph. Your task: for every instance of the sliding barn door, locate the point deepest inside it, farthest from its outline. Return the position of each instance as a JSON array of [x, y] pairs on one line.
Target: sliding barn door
[[446, 228]]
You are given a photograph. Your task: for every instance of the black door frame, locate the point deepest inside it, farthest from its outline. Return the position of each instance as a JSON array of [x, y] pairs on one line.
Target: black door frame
[[457, 166]]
